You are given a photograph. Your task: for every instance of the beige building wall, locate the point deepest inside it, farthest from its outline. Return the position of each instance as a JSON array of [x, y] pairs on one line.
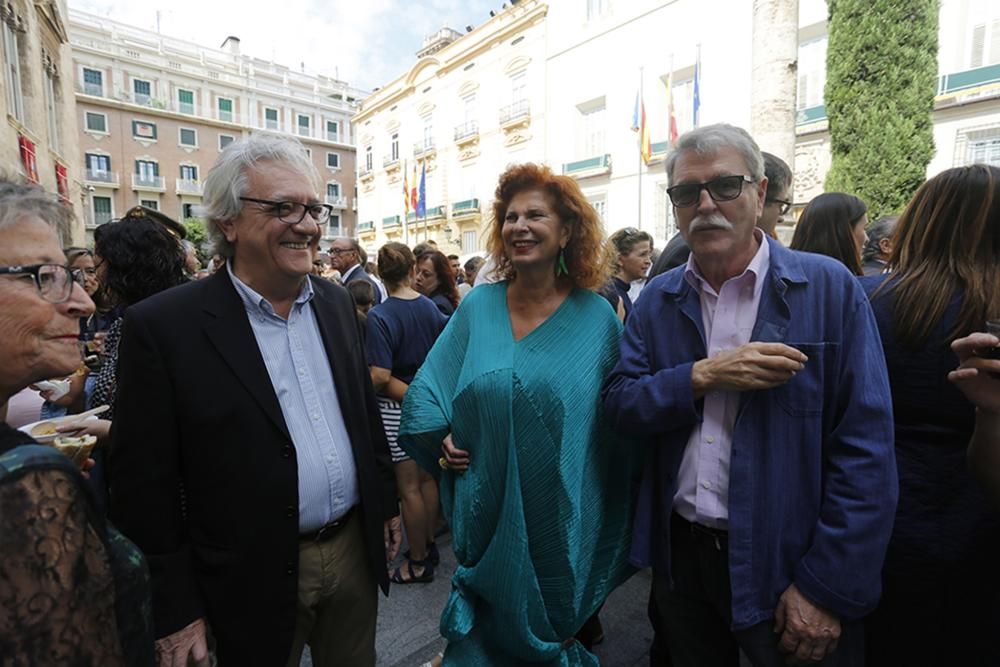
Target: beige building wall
[[38, 134], [154, 113]]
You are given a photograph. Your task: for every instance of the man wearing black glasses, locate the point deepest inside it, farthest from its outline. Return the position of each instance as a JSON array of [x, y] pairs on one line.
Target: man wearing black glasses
[[345, 256], [759, 374], [777, 203], [249, 460]]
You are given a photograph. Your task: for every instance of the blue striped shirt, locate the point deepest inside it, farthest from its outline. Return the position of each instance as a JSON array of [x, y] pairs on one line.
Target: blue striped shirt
[[300, 373]]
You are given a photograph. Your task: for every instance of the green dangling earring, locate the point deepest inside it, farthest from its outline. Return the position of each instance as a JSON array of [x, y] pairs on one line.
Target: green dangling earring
[[561, 269]]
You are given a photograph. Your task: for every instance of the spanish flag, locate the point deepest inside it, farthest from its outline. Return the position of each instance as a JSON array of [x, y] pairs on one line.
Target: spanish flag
[[406, 191], [639, 125]]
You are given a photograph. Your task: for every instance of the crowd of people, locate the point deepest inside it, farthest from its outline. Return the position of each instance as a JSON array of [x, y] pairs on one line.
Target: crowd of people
[[802, 443]]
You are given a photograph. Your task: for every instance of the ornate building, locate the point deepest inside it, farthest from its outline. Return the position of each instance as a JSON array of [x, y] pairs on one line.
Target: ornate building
[[38, 140], [154, 112]]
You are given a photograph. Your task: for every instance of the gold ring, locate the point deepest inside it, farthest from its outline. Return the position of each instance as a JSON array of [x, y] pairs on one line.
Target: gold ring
[[443, 462]]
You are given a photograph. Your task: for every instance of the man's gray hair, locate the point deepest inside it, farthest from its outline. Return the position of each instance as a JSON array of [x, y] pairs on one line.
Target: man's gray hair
[[710, 139], [19, 200], [878, 230], [228, 180]]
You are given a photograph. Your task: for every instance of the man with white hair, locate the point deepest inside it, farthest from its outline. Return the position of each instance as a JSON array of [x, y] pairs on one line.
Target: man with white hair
[[758, 372], [248, 458]]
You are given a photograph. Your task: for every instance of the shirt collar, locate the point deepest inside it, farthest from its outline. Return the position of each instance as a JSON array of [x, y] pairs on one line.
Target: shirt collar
[[343, 276], [754, 272], [253, 301]]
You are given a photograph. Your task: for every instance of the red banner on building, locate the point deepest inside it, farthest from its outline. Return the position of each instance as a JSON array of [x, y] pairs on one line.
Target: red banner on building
[[27, 148], [62, 183]]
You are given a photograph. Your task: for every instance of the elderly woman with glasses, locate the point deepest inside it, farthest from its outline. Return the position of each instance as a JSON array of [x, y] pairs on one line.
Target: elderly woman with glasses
[[74, 591], [535, 486]]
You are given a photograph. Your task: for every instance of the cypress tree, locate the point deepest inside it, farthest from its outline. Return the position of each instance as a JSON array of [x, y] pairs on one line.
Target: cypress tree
[[880, 87]]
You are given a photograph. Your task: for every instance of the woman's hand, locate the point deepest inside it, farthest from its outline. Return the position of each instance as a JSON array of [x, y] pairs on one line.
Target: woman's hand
[[457, 459], [978, 377], [99, 428]]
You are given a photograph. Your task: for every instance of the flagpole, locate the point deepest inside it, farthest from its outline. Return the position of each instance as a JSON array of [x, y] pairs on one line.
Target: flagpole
[[638, 171], [406, 207]]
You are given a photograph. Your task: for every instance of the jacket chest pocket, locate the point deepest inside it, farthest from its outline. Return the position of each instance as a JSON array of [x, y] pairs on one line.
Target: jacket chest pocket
[[803, 395]]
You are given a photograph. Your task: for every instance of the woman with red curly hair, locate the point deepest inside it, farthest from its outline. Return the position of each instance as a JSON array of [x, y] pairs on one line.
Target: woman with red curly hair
[[535, 486]]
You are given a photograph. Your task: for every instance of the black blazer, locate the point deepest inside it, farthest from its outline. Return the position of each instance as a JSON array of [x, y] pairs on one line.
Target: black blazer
[[203, 471]]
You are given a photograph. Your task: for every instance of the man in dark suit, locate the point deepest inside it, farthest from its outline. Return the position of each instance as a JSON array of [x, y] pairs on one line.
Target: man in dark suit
[[248, 457], [346, 257]]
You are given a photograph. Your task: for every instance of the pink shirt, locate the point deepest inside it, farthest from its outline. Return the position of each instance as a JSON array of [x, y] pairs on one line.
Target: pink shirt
[[729, 317]]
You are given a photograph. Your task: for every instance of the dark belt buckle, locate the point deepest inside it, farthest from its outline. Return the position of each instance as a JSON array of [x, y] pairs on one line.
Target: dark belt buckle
[[328, 531]]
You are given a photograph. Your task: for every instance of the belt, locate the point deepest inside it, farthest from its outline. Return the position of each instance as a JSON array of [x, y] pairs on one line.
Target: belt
[[329, 530], [719, 536]]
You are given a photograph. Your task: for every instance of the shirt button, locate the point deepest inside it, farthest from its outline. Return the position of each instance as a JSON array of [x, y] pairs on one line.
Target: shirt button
[[710, 440], [330, 458], [315, 418], [286, 451], [290, 512], [706, 485]]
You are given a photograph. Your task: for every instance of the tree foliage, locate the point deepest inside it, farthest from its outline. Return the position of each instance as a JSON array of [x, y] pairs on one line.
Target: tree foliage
[[198, 235], [880, 86]]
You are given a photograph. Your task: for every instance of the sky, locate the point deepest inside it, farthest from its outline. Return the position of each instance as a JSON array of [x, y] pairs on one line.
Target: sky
[[366, 43]]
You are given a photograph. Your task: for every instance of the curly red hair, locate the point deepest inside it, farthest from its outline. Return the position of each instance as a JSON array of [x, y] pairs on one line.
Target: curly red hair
[[585, 255]]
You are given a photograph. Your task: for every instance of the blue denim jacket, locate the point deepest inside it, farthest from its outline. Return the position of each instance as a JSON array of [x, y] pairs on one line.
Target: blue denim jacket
[[813, 485]]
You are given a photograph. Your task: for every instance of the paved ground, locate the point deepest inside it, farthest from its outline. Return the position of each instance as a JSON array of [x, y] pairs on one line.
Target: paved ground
[[407, 633]]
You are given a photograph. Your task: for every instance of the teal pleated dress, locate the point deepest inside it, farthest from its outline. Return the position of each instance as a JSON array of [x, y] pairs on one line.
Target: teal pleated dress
[[541, 521]]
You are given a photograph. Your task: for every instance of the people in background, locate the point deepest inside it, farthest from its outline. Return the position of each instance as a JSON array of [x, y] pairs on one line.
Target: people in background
[[345, 257], [878, 248], [435, 280], [472, 266], [833, 224], [401, 331], [940, 577], [630, 250]]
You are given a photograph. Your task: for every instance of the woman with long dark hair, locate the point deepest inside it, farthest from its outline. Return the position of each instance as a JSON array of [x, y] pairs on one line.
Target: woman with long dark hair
[[833, 224], [941, 584], [436, 281]]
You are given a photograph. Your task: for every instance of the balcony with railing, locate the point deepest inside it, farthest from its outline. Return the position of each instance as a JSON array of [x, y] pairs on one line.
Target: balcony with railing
[[592, 166], [367, 226], [391, 221], [98, 177], [365, 173], [467, 132], [389, 162], [518, 113], [424, 148], [337, 202], [94, 89], [148, 182], [188, 186], [431, 213], [465, 207]]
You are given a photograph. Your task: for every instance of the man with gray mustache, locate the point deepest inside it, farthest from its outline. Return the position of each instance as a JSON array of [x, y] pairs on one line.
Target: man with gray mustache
[[768, 499]]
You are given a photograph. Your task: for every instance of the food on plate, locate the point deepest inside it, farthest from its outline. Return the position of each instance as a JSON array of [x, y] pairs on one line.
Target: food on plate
[[42, 429]]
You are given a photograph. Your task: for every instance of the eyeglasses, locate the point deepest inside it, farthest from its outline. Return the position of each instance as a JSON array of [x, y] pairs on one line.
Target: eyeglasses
[[785, 205], [293, 212], [340, 251], [725, 188], [53, 281]]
